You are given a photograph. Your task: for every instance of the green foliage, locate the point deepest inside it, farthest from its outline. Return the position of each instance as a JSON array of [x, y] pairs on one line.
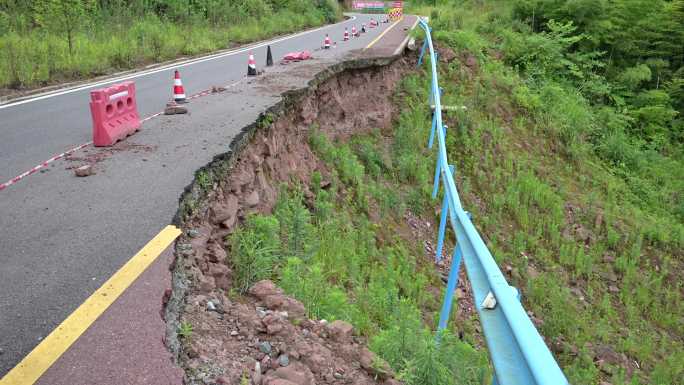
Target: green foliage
[[341, 156], [350, 169], [414, 352], [295, 226], [62, 16], [342, 262], [185, 329], [400, 342], [204, 180], [382, 300], [570, 157], [244, 380], [448, 362], [309, 285], [365, 149], [617, 39], [254, 253], [48, 41]]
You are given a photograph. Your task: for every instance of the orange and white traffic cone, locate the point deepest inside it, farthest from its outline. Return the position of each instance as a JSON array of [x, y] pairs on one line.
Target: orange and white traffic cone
[[326, 42], [251, 65], [178, 91], [346, 34], [354, 33]]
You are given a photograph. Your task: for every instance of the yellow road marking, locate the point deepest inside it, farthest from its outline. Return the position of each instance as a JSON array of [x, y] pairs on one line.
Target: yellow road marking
[[29, 370], [383, 33]]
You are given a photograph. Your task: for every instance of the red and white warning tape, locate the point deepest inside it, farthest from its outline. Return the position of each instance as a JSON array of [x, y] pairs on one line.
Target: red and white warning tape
[[44, 164], [65, 153], [151, 116]]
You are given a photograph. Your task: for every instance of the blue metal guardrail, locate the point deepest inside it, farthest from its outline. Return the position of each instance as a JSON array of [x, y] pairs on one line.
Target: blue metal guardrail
[[517, 351]]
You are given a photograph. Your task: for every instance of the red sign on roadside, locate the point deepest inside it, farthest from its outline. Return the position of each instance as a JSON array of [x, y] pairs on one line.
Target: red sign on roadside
[[368, 5]]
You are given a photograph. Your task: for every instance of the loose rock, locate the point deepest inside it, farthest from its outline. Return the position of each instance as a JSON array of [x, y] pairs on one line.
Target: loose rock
[[294, 374], [256, 379], [206, 284], [252, 199], [174, 109], [374, 365], [265, 347], [84, 171], [340, 331]]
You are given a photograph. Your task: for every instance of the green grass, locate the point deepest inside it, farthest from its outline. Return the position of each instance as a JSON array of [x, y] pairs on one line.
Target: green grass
[[580, 208], [343, 261], [36, 57], [185, 330]]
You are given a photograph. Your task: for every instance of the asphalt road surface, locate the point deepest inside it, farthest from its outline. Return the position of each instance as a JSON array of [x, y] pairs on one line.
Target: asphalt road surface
[[63, 236]]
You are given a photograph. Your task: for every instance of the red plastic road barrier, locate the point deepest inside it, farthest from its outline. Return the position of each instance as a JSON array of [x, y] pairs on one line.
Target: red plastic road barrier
[[65, 153], [115, 113], [302, 55]]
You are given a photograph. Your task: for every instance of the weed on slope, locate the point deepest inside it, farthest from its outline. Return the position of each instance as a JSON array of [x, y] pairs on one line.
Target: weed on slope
[[340, 252], [595, 244]]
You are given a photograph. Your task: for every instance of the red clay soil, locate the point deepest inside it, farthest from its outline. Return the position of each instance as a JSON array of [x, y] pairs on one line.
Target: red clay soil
[[264, 338]]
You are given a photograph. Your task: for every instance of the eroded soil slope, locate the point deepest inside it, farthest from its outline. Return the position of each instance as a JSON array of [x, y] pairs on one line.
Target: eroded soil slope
[[265, 337]]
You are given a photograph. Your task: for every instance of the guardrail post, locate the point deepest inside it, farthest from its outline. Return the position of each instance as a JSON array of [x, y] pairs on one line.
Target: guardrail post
[[452, 283], [443, 221], [422, 52], [438, 169], [434, 118], [432, 130]]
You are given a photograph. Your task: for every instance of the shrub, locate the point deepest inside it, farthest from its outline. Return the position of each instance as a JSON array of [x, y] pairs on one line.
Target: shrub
[[296, 229], [254, 251]]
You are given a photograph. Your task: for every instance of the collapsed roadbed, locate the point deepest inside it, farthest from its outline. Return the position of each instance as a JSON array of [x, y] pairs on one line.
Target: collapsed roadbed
[[265, 336]]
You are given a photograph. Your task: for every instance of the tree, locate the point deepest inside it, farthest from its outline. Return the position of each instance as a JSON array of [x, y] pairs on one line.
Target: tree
[[63, 16]]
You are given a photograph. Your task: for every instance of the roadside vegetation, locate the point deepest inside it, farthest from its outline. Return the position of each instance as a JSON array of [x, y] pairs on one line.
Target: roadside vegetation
[[342, 253], [51, 41], [570, 156]]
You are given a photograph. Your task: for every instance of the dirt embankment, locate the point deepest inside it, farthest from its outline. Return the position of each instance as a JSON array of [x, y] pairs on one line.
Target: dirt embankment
[[265, 336]]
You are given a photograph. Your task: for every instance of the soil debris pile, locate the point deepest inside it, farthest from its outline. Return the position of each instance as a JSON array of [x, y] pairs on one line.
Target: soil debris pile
[[268, 339]]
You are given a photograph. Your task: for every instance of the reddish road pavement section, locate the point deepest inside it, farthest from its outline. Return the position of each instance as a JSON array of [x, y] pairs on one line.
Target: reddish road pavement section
[[125, 345]]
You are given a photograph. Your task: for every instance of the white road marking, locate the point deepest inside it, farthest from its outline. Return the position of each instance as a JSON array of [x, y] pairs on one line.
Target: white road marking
[[181, 64], [408, 35]]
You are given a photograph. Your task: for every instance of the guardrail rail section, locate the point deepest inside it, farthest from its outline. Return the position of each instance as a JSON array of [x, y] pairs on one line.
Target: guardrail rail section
[[516, 349]]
